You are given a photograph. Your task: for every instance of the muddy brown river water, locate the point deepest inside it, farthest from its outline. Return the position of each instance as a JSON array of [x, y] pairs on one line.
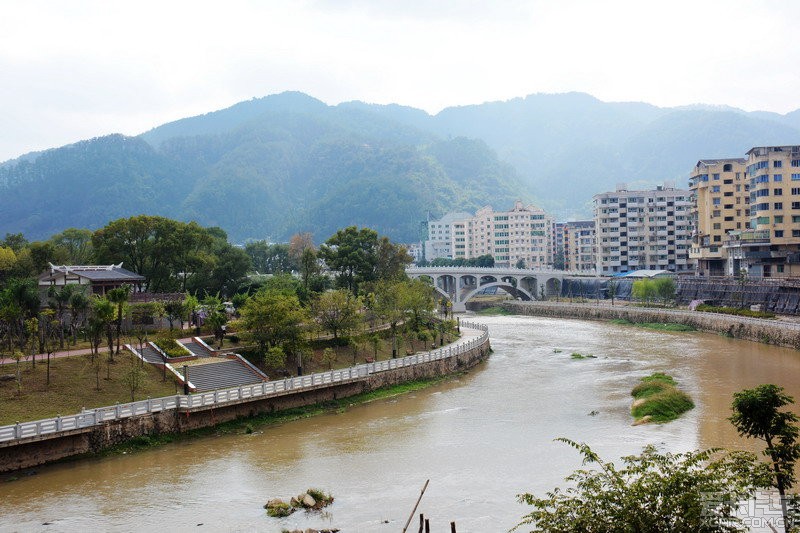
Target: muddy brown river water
[[481, 439]]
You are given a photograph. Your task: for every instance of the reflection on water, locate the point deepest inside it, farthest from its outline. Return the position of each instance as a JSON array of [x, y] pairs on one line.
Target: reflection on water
[[481, 439]]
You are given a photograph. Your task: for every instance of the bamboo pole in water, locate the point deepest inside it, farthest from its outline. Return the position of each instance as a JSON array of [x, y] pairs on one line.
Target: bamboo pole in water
[[414, 510]]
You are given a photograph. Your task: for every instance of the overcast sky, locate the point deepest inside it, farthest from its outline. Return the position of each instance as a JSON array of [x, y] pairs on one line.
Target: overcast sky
[[79, 69]]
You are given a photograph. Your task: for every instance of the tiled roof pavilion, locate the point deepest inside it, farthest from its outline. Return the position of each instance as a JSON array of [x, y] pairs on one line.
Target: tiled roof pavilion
[[101, 278]]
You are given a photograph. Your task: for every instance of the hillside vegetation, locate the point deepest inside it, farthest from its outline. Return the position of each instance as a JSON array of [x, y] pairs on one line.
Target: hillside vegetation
[[273, 166]]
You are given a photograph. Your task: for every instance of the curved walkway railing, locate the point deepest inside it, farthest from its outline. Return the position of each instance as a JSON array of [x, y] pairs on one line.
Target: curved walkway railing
[[88, 418]]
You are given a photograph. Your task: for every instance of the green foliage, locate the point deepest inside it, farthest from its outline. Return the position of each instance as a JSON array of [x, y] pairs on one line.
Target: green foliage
[[274, 319], [734, 311], [494, 310], [172, 255], [269, 258], [360, 256], [658, 398], [647, 290], [336, 312], [697, 491], [757, 414]]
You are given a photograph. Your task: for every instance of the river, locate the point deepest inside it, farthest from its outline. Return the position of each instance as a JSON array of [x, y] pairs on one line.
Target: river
[[480, 438]]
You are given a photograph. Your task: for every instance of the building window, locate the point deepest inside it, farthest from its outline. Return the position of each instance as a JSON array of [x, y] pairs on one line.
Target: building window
[[777, 164], [778, 219], [715, 188], [715, 201], [778, 205], [779, 233], [777, 177], [716, 176], [777, 192]]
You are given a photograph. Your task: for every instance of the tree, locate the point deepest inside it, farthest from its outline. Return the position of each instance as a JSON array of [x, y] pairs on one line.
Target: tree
[[119, 297], [274, 357], [419, 301], [391, 260], [78, 305], [60, 299], [665, 289], [644, 290], [389, 305], [269, 258], [76, 245], [520, 263], [696, 491], [612, 290], [134, 376], [352, 253], [328, 357], [336, 311], [102, 320], [274, 319], [309, 267], [298, 244], [757, 414]]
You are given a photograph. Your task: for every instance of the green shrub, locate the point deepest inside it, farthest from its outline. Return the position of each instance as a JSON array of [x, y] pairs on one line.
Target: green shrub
[[734, 311], [661, 400]]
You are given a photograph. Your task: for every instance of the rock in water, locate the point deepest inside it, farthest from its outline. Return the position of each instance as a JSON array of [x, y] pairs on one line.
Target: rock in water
[[308, 501]]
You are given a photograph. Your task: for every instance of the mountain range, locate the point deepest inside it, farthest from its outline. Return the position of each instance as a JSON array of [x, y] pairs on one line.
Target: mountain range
[[273, 166]]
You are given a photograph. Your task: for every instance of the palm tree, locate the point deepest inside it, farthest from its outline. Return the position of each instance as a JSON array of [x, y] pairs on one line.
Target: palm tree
[[119, 297], [78, 304], [60, 299], [102, 319]]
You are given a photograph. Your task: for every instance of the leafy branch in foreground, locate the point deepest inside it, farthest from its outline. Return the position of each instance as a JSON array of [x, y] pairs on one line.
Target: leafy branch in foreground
[[695, 491]]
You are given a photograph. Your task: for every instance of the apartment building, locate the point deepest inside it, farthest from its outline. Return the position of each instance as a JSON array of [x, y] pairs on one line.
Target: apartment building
[[442, 236], [521, 236], [770, 247], [720, 207], [642, 230], [578, 238]]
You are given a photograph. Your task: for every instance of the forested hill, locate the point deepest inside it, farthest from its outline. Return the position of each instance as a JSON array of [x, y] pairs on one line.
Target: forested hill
[[262, 169], [272, 166], [570, 146]]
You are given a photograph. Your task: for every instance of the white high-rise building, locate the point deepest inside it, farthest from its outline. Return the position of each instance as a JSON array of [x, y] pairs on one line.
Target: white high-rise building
[[521, 236], [643, 230]]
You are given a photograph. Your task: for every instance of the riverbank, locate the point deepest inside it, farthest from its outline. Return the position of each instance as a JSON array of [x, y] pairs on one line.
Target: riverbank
[[262, 421], [96, 431], [778, 333]]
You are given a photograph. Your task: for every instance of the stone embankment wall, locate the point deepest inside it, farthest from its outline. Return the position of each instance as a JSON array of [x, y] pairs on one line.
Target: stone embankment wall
[[753, 329], [18, 455]]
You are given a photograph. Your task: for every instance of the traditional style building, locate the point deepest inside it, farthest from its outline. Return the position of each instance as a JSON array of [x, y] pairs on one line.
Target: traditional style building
[[97, 279], [648, 229]]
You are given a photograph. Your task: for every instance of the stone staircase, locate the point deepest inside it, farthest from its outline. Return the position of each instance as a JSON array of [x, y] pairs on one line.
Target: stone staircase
[[223, 374], [151, 355], [196, 348]]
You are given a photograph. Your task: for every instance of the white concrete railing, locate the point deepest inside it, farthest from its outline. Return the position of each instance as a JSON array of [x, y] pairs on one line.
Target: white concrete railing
[[93, 417]]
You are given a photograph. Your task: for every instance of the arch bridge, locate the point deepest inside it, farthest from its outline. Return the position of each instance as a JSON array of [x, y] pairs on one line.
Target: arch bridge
[[460, 284]]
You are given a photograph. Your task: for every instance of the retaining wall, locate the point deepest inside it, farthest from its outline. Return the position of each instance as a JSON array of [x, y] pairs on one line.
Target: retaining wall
[[40, 450], [759, 330]]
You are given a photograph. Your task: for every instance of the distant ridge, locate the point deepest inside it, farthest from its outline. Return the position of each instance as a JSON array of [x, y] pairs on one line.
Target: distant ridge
[[272, 166]]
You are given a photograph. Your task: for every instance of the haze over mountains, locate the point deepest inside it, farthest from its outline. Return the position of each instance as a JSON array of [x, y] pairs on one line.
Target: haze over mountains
[[272, 166]]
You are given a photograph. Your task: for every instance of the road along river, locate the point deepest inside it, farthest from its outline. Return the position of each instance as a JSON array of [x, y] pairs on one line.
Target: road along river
[[480, 438]]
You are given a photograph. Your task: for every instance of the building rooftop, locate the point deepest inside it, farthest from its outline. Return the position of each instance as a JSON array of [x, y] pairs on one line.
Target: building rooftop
[[93, 273]]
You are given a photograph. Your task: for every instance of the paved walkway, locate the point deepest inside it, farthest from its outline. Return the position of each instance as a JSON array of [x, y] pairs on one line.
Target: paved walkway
[[43, 356]]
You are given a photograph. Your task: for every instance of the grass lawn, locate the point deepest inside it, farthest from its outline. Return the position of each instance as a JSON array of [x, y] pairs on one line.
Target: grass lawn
[[72, 387]]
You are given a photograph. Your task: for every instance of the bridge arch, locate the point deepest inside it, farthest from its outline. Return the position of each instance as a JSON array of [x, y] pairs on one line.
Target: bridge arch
[[516, 292]]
